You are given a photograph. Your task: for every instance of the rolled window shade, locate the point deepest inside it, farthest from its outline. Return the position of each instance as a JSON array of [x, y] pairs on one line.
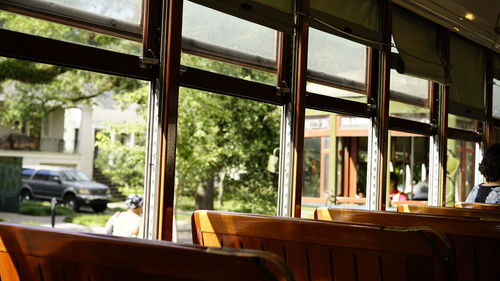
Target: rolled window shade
[[467, 73], [496, 66], [275, 14], [417, 42], [360, 18]]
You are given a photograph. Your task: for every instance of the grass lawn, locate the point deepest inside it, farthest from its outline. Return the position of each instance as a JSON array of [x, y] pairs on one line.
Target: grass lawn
[[185, 203], [88, 219], [42, 208]]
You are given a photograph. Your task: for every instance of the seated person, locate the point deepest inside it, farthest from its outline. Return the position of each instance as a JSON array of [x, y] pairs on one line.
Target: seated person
[[489, 191], [421, 190], [395, 195], [127, 223]]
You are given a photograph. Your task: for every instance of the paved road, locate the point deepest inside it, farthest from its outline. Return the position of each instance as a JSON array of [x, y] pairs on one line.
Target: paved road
[[45, 221], [60, 224], [183, 227]]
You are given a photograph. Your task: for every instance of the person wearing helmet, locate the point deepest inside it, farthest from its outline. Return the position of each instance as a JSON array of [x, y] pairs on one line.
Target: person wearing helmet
[[127, 223]]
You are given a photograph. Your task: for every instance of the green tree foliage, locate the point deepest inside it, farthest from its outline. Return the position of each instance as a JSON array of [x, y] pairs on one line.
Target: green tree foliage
[[227, 140], [122, 161], [223, 142], [33, 90]]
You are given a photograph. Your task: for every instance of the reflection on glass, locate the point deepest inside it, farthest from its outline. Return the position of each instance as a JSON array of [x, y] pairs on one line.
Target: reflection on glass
[[459, 122], [71, 135], [409, 88], [496, 135], [222, 30], [336, 56], [460, 171], [313, 170], [408, 111], [229, 69], [335, 161], [125, 10], [408, 168], [496, 98], [334, 92], [66, 33], [224, 147]]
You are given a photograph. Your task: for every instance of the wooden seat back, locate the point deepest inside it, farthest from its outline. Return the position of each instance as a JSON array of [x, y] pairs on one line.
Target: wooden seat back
[[316, 250], [38, 254], [446, 211], [482, 206], [476, 243]]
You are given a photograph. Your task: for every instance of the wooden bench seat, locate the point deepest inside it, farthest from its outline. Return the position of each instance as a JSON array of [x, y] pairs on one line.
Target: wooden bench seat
[[38, 254], [456, 212], [476, 243], [483, 206], [316, 250]]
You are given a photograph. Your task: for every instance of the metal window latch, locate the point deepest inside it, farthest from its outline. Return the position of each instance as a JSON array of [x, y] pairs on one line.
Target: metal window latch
[[183, 69], [147, 61], [372, 109], [283, 90]]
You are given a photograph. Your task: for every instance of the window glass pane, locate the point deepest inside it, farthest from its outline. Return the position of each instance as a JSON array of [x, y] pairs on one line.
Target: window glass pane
[[460, 170], [496, 98], [335, 56], [125, 10], [229, 69], [408, 111], [227, 156], [66, 33], [335, 92], [313, 168], [335, 161], [408, 169], [409, 88], [65, 125], [459, 122], [496, 135], [224, 31]]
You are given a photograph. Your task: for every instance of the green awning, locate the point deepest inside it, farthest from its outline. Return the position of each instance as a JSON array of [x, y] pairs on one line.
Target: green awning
[[496, 66], [467, 73], [417, 42], [276, 14], [361, 18]]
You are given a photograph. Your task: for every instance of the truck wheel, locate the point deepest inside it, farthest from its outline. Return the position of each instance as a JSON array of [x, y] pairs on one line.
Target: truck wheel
[[26, 195], [70, 201], [99, 208]]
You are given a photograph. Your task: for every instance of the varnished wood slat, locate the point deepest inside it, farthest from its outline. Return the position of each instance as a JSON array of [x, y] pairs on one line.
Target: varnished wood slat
[[7, 267], [445, 211], [418, 270], [388, 263], [27, 267], [447, 224], [483, 206], [486, 254], [464, 258], [368, 265], [344, 265], [468, 236], [320, 263], [299, 241], [298, 260], [71, 256]]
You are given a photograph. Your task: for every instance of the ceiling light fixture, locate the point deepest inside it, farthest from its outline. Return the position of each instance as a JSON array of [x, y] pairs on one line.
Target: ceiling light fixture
[[470, 16]]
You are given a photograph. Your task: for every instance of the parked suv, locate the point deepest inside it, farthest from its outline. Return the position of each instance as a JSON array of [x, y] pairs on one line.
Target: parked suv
[[70, 186]]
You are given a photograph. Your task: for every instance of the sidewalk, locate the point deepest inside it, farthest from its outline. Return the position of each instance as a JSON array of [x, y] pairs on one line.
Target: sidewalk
[[46, 222]]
